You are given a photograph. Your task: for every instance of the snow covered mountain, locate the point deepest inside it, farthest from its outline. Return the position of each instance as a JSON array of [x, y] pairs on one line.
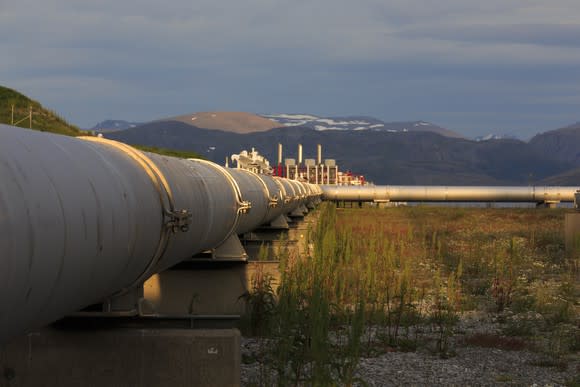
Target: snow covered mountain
[[247, 122], [357, 123], [326, 123]]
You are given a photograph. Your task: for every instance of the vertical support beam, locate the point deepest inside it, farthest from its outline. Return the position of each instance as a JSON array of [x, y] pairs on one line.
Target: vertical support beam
[[316, 178], [572, 232]]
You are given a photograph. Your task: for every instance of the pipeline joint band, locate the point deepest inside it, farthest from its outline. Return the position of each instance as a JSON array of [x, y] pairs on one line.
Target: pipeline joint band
[[244, 207], [178, 220]]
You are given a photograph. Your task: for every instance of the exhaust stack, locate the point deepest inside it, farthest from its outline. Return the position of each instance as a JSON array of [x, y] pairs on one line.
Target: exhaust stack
[[279, 154]]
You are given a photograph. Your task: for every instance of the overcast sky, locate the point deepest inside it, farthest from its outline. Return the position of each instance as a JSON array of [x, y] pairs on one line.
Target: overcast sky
[[502, 66]]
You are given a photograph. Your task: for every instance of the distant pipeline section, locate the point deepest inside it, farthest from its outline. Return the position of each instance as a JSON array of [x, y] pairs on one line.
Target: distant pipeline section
[[83, 219], [400, 193]]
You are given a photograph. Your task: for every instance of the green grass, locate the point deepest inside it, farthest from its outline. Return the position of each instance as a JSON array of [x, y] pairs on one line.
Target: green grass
[[42, 119], [169, 152]]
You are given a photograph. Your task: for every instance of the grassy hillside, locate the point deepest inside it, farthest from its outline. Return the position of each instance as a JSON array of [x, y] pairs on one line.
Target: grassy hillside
[[48, 121], [169, 152], [42, 119]]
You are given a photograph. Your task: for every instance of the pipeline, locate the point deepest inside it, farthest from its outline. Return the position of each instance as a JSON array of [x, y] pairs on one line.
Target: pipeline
[[447, 193], [82, 219]]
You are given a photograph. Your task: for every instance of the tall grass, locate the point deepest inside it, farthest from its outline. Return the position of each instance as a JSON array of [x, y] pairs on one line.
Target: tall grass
[[399, 279]]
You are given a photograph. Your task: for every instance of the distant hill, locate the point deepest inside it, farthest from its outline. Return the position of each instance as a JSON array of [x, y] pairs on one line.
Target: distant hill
[[357, 123], [567, 178], [113, 125], [562, 144], [495, 136], [236, 122], [42, 118], [402, 157], [240, 122]]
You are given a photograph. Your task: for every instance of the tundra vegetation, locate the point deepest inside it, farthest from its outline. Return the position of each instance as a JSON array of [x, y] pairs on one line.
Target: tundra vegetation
[[407, 279], [15, 108]]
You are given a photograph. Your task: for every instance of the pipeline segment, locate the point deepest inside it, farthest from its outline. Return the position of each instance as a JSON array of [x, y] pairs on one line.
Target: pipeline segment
[[84, 219], [447, 193]]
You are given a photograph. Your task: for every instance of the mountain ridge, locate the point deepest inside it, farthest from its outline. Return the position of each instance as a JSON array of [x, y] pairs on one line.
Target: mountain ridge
[[399, 154], [242, 122], [114, 125], [384, 157]]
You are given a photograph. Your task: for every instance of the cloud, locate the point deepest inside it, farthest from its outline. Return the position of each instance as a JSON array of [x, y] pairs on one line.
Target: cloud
[[558, 35], [320, 31], [399, 57]]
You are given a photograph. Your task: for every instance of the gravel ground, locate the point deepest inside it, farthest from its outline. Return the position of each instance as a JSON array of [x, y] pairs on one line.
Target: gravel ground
[[469, 365], [472, 366]]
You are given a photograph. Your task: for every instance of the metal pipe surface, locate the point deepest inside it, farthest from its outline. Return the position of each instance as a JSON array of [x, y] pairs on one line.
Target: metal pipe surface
[[447, 193], [84, 219]]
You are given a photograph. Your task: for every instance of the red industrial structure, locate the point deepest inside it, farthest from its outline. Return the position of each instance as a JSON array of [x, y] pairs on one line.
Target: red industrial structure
[[314, 171]]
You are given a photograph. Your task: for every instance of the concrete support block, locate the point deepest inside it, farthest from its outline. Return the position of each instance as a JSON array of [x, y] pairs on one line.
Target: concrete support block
[[548, 204], [122, 357], [279, 223], [572, 232], [198, 292], [231, 249], [297, 213]]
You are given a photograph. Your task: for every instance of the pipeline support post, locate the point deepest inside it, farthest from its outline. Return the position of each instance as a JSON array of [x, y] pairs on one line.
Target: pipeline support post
[[572, 228]]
